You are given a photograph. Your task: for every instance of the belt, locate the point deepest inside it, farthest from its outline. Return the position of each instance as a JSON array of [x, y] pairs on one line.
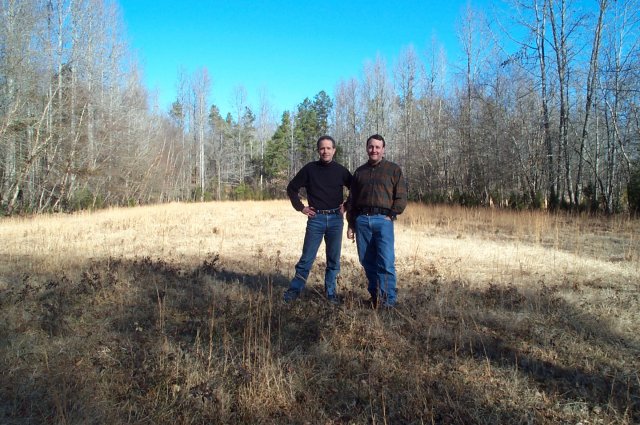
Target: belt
[[333, 211], [373, 211]]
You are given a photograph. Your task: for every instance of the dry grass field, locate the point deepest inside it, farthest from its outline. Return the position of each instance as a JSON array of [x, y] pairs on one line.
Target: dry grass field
[[173, 314]]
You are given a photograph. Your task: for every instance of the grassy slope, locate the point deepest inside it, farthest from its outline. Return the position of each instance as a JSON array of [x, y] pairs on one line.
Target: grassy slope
[[172, 314]]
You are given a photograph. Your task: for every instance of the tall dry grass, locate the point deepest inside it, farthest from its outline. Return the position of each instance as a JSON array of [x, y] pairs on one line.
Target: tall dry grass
[[173, 314]]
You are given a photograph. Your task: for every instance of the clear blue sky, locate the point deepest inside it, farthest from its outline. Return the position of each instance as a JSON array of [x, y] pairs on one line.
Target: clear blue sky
[[290, 48]]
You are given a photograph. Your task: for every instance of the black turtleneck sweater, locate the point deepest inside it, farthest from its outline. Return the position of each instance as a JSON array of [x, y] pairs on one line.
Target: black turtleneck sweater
[[324, 183]]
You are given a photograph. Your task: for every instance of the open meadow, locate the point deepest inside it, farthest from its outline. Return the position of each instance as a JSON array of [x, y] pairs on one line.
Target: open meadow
[[173, 314]]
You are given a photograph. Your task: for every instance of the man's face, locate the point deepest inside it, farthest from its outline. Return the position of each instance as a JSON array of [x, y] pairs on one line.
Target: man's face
[[326, 150], [375, 150]]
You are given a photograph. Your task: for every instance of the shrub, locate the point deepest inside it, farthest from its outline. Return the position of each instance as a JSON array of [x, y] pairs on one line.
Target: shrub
[[82, 200], [633, 189], [197, 192]]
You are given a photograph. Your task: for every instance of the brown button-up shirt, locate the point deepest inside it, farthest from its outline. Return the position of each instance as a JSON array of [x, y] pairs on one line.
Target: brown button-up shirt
[[377, 186]]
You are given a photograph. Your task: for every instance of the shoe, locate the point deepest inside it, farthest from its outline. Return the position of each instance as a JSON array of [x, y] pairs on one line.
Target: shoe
[[372, 303], [333, 300], [290, 295]]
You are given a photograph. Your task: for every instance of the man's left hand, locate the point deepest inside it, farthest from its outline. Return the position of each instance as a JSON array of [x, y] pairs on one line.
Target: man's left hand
[[309, 211], [351, 234]]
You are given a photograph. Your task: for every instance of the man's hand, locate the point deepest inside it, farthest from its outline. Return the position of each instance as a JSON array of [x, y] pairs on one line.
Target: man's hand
[[309, 211], [351, 234]]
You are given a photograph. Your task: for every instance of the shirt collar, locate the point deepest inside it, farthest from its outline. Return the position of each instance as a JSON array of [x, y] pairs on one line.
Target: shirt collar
[[376, 164]]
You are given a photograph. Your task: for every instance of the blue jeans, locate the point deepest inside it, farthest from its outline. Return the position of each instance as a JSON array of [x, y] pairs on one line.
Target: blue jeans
[[375, 239], [329, 227]]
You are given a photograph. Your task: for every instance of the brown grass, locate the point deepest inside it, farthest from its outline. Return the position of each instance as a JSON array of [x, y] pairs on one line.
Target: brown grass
[[173, 314]]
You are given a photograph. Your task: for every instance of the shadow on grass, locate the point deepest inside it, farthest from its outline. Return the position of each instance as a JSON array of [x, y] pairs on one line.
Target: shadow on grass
[[152, 341]]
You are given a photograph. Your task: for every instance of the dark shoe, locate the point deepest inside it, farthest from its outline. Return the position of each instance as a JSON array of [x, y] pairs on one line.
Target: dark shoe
[[372, 303], [290, 295], [333, 300]]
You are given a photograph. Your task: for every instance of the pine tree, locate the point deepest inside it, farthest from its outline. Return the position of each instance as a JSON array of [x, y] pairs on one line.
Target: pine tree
[[276, 161]]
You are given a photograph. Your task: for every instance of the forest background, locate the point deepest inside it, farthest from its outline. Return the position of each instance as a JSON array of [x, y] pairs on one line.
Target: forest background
[[552, 124]]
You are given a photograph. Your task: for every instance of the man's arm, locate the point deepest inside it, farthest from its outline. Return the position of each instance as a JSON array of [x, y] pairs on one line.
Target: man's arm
[[346, 182], [293, 189], [351, 225], [349, 205], [399, 193]]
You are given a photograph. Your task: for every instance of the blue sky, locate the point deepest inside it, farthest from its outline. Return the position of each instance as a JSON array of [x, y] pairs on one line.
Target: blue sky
[[288, 49]]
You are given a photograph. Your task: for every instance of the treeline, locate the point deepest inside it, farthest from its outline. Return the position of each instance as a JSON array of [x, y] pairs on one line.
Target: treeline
[[550, 120]]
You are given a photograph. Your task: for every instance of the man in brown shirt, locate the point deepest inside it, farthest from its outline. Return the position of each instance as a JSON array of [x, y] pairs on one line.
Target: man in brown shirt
[[378, 194]]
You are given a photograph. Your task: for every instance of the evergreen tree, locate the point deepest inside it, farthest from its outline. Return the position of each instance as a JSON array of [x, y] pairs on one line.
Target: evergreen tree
[[322, 105], [305, 133], [311, 122], [177, 113], [276, 161]]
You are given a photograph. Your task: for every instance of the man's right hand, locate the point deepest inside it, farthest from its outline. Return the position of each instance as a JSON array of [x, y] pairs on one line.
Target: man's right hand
[[309, 211], [351, 234]]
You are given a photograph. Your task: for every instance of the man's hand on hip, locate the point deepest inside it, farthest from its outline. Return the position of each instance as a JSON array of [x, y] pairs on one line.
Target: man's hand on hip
[[309, 211]]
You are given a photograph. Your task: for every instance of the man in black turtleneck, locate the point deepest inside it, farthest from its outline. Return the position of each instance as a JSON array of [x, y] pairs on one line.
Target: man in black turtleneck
[[324, 181]]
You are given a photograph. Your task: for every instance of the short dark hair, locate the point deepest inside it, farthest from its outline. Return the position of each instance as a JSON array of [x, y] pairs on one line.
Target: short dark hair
[[376, 137], [325, 137]]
